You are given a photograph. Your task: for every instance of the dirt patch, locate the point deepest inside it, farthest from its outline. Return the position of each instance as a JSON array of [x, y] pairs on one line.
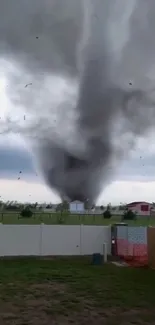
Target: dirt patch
[[73, 291], [51, 286], [55, 303]]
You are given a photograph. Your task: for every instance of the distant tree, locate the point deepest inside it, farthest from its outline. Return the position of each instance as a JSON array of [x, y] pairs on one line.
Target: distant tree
[[65, 205], [26, 212], [60, 220], [87, 204], [59, 207], [102, 207], [35, 204], [21, 206], [12, 207], [48, 206], [153, 205], [122, 207], [107, 213], [129, 215], [1, 204]]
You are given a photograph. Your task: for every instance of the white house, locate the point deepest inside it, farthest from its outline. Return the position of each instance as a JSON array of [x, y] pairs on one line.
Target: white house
[[140, 208], [76, 207]]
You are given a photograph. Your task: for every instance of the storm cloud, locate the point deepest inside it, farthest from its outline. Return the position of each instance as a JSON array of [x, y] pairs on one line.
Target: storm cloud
[[104, 53], [13, 161]]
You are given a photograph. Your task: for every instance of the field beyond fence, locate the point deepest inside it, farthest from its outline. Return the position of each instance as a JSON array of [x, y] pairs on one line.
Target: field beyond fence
[[70, 219]]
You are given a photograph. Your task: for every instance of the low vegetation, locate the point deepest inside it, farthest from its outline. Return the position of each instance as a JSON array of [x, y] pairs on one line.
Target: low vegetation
[[26, 213], [65, 218], [107, 213], [129, 215], [72, 291]]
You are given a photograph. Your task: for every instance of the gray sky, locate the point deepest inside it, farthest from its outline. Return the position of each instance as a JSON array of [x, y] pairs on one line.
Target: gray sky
[[131, 40], [135, 179]]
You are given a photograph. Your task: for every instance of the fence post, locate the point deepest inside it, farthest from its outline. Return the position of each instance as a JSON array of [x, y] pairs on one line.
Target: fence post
[[1, 250], [105, 252], [40, 239], [81, 239]]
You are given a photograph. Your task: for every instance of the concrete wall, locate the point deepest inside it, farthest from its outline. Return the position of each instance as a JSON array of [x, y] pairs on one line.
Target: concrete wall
[[44, 240]]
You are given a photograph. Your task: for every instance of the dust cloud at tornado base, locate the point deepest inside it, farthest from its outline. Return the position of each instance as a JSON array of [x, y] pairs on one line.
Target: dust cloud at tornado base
[[84, 73]]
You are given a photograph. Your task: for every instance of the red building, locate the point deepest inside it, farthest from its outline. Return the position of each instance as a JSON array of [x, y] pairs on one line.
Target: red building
[[140, 208]]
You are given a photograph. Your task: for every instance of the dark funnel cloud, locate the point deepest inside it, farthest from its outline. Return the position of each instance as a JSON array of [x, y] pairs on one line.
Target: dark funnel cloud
[[84, 72]]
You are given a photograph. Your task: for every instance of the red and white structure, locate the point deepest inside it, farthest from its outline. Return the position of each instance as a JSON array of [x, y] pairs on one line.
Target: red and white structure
[[132, 244], [140, 208]]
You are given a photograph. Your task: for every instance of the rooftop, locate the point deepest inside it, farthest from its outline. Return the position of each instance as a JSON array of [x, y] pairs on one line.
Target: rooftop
[[76, 201], [136, 203]]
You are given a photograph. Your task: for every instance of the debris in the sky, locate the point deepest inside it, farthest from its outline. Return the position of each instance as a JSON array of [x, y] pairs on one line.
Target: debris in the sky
[[24, 117], [20, 172], [18, 178], [30, 84], [37, 37], [130, 83]]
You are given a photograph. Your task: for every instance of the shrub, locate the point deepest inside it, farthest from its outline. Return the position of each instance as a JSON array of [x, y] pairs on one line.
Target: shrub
[[12, 207], [60, 220], [26, 213], [59, 207], [129, 215], [107, 214]]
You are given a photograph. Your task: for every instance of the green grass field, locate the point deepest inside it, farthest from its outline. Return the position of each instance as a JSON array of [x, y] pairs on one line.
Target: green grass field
[[72, 291], [68, 219]]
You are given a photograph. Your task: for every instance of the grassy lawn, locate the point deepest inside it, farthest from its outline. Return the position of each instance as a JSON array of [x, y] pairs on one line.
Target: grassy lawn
[[56, 218], [72, 291]]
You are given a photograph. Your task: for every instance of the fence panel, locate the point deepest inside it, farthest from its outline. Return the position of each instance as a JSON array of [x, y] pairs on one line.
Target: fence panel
[[54, 240], [93, 238], [60, 240], [19, 240]]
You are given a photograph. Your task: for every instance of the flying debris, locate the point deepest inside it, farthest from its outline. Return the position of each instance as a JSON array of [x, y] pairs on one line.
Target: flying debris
[[18, 178], [30, 84], [24, 117]]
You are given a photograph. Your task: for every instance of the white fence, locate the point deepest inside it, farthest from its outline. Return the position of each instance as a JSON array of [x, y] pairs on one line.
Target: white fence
[[55, 240]]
